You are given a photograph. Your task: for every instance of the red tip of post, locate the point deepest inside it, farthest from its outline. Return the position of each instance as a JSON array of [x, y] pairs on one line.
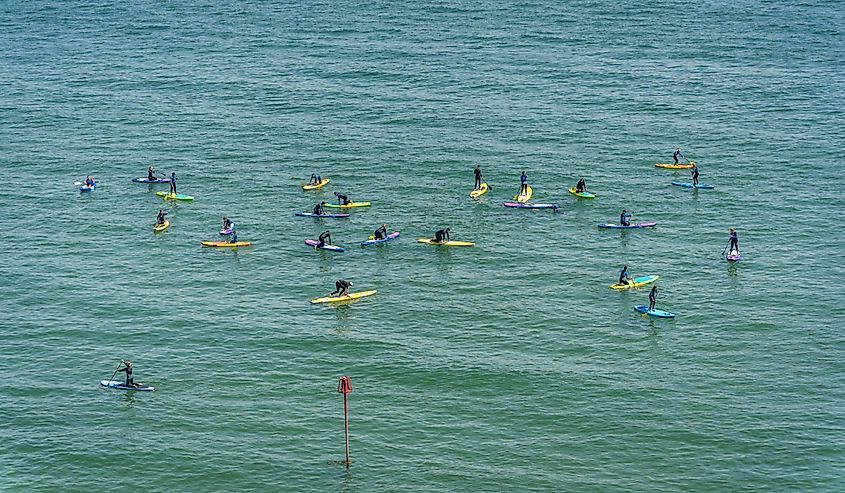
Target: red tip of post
[[344, 386]]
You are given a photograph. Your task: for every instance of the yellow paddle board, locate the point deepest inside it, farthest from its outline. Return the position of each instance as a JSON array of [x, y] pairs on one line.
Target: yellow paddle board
[[348, 206], [162, 226], [429, 241], [322, 183], [481, 191], [674, 166], [335, 299], [640, 281], [583, 195], [524, 197]]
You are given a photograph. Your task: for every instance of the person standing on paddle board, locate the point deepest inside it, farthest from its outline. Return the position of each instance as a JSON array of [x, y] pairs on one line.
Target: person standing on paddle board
[[442, 235], [733, 243], [160, 217], [581, 186], [624, 276], [342, 199], [319, 210], [324, 239], [127, 368], [381, 232], [173, 183], [523, 180], [652, 298], [676, 154], [624, 218], [694, 172], [477, 172], [341, 288]]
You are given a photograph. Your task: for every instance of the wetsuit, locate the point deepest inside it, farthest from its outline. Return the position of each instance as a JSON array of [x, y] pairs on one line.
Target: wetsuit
[[380, 233], [227, 224], [318, 209], [160, 217], [624, 277], [441, 235], [581, 186], [675, 156], [523, 187], [342, 199], [130, 382], [695, 175], [652, 298], [173, 183], [151, 173], [734, 243], [89, 182], [323, 237], [341, 287], [233, 237], [477, 172], [624, 219]]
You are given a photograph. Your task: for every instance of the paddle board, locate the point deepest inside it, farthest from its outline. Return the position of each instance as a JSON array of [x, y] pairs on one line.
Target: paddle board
[[445, 243], [86, 188], [331, 248], [348, 206], [311, 214], [524, 197], [161, 227], [147, 180], [178, 196], [391, 236], [734, 257], [705, 186], [654, 313], [638, 281], [633, 226], [531, 206], [335, 299], [321, 184], [674, 166], [118, 385], [480, 191], [583, 195], [225, 244]]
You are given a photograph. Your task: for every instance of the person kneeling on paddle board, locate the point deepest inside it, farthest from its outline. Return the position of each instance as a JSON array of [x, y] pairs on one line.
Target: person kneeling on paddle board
[[233, 237], [581, 186], [624, 277], [694, 172], [127, 368], [676, 154], [341, 288], [523, 187], [624, 218], [733, 243], [319, 210], [442, 235], [173, 183], [160, 217], [380, 233], [151, 173], [314, 180], [324, 239], [652, 298], [477, 172], [89, 182], [342, 199]]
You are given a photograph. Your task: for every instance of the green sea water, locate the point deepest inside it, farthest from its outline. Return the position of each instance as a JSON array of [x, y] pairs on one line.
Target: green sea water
[[509, 366]]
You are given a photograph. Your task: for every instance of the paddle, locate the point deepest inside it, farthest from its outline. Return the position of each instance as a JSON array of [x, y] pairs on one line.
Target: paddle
[[726, 248], [115, 371], [77, 183]]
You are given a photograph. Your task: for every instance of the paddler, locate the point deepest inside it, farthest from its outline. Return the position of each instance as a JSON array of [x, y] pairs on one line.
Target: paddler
[[381, 232], [652, 297], [127, 368], [676, 154], [624, 218], [625, 277], [694, 172], [342, 199], [227, 224], [319, 210], [314, 180], [341, 288], [324, 239], [733, 243], [477, 177], [160, 217], [89, 182], [523, 187], [151, 173], [581, 186], [442, 235], [173, 183]]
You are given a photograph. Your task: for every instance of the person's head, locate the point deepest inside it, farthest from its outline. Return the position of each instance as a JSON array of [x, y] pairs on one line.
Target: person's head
[[337, 193], [477, 166], [384, 225], [323, 202], [624, 211], [448, 229], [624, 267], [225, 218], [127, 363], [678, 149], [732, 230], [523, 172], [172, 173]]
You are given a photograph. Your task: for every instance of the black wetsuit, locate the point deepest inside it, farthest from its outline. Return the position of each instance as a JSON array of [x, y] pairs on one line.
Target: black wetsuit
[[441, 235], [477, 172], [160, 217], [581, 186], [624, 219], [652, 298], [340, 286], [675, 156], [323, 237], [380, 233], [523, 187], [734, 243], [151, 173], [624, 276], [695, 175], [130, 382], [173, 183], [342, 199], [318, 209]]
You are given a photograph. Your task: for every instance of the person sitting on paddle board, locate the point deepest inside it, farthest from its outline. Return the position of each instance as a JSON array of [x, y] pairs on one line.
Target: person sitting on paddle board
[[652, 297], [173, 183], [89, 182], [676, 154], [477, 172], [442, 235], [160, 217], [324, 239], [694, 172], [581, 186], [381, 232], [319, 210], [733, 243], [151, 173], [624, 276], [341, 288], [314, 180], [342, 199], [233, 237], [624, 218], [523, 180], [127, 368]]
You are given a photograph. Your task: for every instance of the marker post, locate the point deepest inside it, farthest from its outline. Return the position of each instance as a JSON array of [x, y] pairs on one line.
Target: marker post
[[344, 387]]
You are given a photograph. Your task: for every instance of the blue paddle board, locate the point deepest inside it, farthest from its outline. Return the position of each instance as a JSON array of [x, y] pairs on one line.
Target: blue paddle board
[[390, 237], [147, 180], [633, 226], [654, 313], [705, 186], [311, 214]]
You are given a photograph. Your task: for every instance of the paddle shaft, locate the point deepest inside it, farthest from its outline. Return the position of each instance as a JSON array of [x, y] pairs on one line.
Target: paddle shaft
[[115, 371]]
